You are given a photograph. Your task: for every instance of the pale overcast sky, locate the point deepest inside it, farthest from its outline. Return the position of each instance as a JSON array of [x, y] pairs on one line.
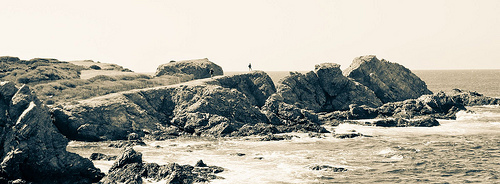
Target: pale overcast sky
[[273, 35]]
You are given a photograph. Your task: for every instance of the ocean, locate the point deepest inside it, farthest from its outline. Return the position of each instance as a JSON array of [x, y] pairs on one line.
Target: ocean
[[465, 150]]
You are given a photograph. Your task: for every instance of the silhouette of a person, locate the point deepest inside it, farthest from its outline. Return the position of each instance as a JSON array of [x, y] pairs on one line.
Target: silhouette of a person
[[249, 66], [211, 73]]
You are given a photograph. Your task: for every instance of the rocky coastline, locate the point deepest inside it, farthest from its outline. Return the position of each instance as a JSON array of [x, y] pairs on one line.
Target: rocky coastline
[[213, 105]]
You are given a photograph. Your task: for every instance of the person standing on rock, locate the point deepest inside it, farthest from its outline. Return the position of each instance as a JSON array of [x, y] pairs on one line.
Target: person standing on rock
[[211, 72], [249, 66]]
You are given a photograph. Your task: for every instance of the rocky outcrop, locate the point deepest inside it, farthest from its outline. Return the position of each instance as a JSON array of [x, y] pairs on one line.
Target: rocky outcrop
[[198, 68], [401, 122], [324, 90], [255, 87], [129, 168], [216, 107], [32, 149], [415, 112], [327, 168], [100, 156], [391, 82], [300, 96], [472, 98]]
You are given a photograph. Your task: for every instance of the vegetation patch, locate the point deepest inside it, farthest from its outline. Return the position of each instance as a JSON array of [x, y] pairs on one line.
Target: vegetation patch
[[36, 70], [57, 82]]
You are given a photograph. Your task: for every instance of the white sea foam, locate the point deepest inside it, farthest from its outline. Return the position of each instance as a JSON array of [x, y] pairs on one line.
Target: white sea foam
[[478, 115], [397, 157], [386, 151]]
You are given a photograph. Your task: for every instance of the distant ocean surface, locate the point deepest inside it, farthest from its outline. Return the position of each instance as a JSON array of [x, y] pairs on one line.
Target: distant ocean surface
[[486, 82]]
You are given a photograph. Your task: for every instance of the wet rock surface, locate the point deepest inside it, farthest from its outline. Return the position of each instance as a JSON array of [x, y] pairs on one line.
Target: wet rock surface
[[347, 135], [124, 144], [327, 168], [400, 122], [422, 111], [100, 156], [272, 137], [129, 168], [29, 140]]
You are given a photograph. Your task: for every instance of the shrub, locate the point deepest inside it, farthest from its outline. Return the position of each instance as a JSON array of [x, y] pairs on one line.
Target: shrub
[[133, 77], [73, 83], [95, 67], [101, 78], [127, 70], [50, 102], [23, 80]]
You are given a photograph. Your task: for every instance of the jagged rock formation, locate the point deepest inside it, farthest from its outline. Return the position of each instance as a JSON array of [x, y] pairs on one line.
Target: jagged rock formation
[[391, 82], [300, 96], [100, 156], [420, 112], [199, 68], [401, 122], [341, 91], [357, 93], [129, 168], [325, 89], [215, 106], [248, 104], [218, 106], [31, 147]]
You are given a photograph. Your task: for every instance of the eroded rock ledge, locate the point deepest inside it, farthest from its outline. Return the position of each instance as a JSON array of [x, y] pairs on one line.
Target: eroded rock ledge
[[439, 105], [216, 106]]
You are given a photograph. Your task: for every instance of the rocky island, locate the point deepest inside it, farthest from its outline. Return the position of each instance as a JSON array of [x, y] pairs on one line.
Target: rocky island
[[198, 104]]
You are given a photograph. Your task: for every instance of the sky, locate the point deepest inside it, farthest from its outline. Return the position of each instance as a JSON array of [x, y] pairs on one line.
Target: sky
[[273, 35]]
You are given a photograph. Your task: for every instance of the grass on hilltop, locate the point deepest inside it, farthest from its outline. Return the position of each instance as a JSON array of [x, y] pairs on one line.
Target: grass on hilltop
[[57, 82], [78, 89]]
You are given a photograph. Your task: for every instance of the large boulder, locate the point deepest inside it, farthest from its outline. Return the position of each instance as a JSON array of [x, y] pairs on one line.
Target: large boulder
[[285, 117], [215, 106], [129, 168], [300, 96], [324, 90], [198, 68], [32, 149], [255, 87], [391, 82]]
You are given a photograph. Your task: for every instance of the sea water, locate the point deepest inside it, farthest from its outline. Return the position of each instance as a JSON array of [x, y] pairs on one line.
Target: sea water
[[458, 151]]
